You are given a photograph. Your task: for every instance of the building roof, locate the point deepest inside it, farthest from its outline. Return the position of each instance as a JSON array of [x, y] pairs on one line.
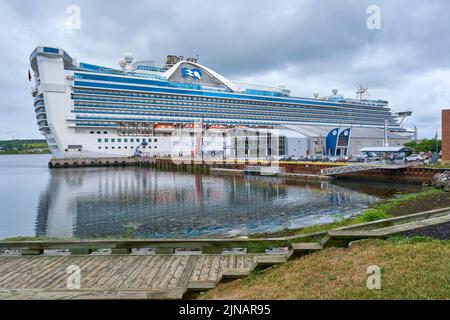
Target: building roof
[[356, 132]]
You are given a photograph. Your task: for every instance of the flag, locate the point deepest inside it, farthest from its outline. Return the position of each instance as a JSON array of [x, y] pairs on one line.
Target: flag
[[29, 75]]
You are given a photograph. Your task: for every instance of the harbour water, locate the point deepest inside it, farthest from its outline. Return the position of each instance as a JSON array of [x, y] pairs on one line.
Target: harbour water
[[144, 203]]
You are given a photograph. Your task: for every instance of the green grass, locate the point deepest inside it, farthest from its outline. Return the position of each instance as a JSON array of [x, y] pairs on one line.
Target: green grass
[[411, 268], [382, 210], [443, 165]]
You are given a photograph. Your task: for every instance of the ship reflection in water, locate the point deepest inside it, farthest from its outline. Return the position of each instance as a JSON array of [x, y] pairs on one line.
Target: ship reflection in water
[[138, 202]]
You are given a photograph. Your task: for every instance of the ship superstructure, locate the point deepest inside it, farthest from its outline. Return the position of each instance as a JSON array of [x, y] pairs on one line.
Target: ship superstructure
[[90, 110]]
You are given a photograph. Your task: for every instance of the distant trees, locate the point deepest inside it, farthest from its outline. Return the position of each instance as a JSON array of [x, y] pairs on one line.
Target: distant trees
[[23, 146], [425, 145]]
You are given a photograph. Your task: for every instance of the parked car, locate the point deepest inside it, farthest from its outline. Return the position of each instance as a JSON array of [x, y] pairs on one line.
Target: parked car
[[358, 158], [414, 158]]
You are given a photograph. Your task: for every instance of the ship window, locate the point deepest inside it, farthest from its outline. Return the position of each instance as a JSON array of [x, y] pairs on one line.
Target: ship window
[[138, 140], [112, 147], [99, 132], [113, 140], [119, 140], [92, 132], [105, 132], [99, 147], [131, 140], [106, 147], [120, 147], [125, 140], [106, 140], [156, 140], [99, 140]]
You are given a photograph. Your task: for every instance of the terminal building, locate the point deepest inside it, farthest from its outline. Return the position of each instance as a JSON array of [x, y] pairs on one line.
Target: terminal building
[[286, 140]]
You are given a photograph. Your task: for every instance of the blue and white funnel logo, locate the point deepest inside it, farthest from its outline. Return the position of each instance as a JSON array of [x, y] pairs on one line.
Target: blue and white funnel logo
[[193, 73]]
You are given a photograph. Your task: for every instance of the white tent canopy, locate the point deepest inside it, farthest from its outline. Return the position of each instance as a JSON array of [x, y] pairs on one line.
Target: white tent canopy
[[387, 149]]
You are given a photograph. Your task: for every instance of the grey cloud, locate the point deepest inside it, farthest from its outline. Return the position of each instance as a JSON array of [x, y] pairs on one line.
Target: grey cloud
[[302, 44]]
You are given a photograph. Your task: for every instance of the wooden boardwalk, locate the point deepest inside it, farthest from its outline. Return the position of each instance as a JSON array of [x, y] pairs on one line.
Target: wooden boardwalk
[[120, 276], [45, 269]]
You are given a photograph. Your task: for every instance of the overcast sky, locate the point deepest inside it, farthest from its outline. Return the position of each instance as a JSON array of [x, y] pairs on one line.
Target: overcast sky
[[308, 46]]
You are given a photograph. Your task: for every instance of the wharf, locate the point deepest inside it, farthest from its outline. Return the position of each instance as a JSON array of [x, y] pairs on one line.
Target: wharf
[[402, 173], [122, 269]]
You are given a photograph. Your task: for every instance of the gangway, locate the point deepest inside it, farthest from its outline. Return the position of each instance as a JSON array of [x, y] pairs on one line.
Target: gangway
[[365, 167]]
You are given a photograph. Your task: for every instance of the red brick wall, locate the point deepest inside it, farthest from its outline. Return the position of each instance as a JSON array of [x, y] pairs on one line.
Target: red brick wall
[[446, 134]]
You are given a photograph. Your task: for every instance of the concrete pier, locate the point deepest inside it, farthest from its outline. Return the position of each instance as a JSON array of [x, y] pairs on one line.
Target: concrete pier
[[303, 170]]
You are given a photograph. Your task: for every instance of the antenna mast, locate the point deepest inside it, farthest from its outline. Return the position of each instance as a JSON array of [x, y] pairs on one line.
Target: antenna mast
[[362, 91]]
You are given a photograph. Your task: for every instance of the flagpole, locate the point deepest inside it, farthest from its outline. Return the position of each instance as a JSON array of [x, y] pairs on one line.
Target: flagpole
[[437, 145]]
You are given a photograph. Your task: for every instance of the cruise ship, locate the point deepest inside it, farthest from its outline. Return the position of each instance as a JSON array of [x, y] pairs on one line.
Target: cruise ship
[[87, 110]]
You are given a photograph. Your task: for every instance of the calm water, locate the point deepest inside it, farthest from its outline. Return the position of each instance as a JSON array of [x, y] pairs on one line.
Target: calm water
[[104, 202]]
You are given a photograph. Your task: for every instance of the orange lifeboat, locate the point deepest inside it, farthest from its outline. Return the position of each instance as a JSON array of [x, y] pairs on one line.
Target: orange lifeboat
[[164, 127]]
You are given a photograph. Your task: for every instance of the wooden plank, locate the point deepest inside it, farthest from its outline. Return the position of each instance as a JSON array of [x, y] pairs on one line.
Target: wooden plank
[[92, 294], [127, 278], [206, 268], [172, 274], [149, 272], [59, 280], [161, 272], [214, 272], [101, 265], [187, 272], [23, 263], [157, 244], [158, 274], [32, 252], [173, 282], [198, 268], [7, 262], [249, 262], [115, 263], [58, 271], [232, 261], [163, 281], [235, 273], [223, 261], [123, 269], [240, 262], [201, 285], [35, 272], [90, 274], [307, 247], [271, 259], [41, 273]]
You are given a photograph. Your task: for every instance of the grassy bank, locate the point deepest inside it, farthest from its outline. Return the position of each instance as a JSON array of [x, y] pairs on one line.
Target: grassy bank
[[415, 268], [23, 147], [425, 200]]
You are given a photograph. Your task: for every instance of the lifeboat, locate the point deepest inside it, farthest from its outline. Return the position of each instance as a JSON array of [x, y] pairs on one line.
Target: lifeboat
[[164, 127]]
